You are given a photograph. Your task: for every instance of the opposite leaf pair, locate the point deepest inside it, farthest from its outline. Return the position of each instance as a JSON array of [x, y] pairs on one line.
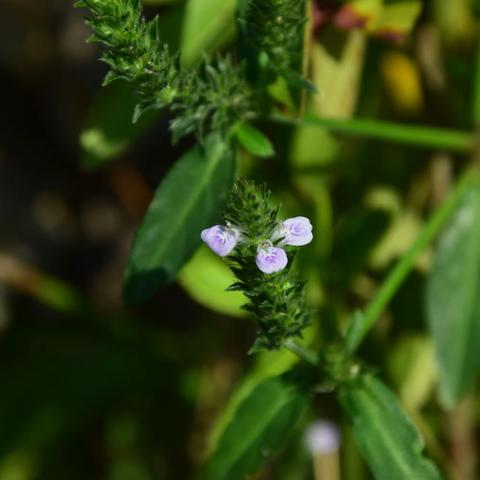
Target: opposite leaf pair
[[295, 231]]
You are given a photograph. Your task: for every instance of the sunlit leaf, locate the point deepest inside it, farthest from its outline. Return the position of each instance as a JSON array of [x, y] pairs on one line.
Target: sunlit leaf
[[206, 277], [208, 24], [358, 14], [388, 440], [413, 370], [397, 20], [189, 199], [337, 76], [453, 299], [253, 140], [392, 20], [456, 20]]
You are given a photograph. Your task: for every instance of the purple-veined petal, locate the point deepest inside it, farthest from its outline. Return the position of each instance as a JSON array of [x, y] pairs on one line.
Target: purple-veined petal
[[297, 231], [220, 239], [271, 259]]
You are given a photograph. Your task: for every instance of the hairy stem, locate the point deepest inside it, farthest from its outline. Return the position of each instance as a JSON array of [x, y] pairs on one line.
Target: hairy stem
[[301, 352]]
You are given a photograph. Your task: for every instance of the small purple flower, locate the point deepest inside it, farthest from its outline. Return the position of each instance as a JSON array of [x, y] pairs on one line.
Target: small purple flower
[[296, 231], [270, 259], [221, 239]]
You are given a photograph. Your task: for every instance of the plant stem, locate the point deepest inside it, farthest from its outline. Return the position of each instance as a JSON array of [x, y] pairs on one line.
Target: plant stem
[[415, 135], [362, 323], [49, 290], [476, 90], [301, 352]]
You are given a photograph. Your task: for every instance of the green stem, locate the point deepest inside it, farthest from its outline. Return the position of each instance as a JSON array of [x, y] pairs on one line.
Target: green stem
[[476, 90], [362, 323], [301, 352], [415, 135]]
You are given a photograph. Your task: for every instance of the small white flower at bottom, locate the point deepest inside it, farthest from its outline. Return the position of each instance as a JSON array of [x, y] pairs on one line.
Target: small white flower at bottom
[[322, 437]]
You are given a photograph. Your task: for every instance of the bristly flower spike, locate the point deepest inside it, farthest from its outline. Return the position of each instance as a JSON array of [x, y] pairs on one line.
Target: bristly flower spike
[[210, 98], [260, 257]]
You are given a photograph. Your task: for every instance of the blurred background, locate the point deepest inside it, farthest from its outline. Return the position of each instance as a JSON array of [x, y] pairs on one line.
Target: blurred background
[[92, 390]]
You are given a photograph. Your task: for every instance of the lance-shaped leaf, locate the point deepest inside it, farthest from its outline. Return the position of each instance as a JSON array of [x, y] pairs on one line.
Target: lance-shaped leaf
[[453, 299], [190, 198], [208, 25], [392, 20], [388, 440], [258, 428], [253, 140]]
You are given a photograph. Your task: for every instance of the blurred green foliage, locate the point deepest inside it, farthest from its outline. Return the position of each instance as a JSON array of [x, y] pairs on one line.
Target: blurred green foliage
[[91, 389]]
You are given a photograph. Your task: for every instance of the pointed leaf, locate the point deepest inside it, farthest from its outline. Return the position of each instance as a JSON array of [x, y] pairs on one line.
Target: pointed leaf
[[453, 299], [296, 80], [388, 440], [253, 140], [397, 20], [258, 429], [208, 25], [190, 198]]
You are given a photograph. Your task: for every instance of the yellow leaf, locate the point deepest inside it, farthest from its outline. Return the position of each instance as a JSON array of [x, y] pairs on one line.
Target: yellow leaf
[[397, 20], [402, 82]]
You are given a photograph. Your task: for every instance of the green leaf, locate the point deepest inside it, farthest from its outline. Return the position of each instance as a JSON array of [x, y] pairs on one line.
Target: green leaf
[[453, 298], [253, 140], [208, 25], [397, 19], [190, 198], [388, 440], [109, 130], [205, 278], [258, 428], [297, 81]]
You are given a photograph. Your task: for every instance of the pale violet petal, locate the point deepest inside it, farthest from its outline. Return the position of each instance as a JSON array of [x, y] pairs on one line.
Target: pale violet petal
[[220, 239], [298, 231], [323, 437], [271, 259]]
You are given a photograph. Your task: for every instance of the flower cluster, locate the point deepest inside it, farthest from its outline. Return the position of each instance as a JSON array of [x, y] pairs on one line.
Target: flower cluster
[[260, 249], [295, 231]]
